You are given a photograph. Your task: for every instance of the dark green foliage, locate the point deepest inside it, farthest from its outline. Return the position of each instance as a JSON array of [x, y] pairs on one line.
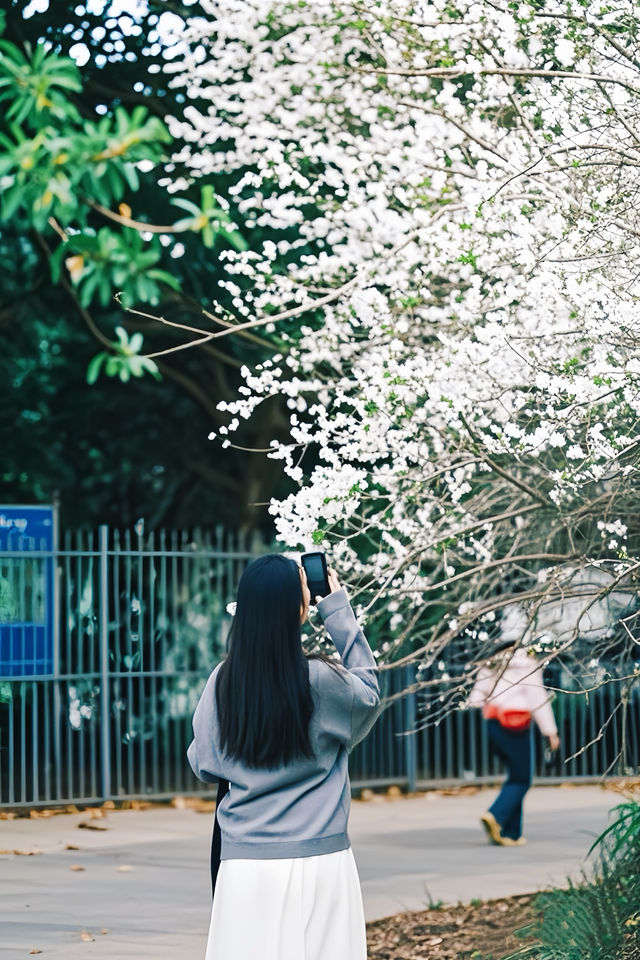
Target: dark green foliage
[[112, 451], [598, 918]]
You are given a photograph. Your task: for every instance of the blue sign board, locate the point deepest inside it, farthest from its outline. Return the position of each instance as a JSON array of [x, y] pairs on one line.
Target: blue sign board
[[27, 585]]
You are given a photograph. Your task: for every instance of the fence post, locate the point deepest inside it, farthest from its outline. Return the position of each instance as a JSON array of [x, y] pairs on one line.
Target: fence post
[[57, 696], [410, 752], [103, 635]]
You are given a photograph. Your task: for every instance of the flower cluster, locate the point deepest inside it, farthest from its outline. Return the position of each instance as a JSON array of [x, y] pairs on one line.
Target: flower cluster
[[459, 185]]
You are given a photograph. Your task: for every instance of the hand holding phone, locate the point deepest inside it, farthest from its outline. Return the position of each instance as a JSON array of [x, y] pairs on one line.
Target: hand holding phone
[[317, 574]]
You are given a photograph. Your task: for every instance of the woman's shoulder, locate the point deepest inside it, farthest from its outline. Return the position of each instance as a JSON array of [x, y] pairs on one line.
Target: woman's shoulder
[[216, 670], [213, 676], [327, 674]]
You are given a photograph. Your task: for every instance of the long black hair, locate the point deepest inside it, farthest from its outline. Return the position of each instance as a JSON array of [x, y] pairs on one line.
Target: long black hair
[[262, 691]]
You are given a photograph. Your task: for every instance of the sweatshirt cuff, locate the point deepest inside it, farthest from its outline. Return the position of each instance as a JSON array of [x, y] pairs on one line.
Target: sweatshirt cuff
[[332, 603]]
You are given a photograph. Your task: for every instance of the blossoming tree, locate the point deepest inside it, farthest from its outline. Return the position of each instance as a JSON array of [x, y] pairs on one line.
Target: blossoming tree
[[452, 191]]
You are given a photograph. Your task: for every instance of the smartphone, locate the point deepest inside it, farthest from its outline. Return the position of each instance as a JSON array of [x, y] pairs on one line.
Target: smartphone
[[315, 567]]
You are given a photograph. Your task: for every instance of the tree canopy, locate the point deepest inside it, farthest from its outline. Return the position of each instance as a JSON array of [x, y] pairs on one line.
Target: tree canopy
[[463, 426], [90, 210]]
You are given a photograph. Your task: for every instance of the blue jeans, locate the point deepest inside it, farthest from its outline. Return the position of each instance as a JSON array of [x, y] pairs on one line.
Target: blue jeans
[[515, 749]]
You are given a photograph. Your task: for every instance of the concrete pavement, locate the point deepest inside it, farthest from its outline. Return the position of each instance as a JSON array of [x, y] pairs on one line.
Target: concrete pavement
[[144, 889]]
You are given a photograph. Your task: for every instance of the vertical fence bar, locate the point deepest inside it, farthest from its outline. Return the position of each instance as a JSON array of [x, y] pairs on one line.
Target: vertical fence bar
[[129, 715], [23, 741], [118, 683], [167, 681], [56, 699], [410, 754], [35, 743], [139, 660], [57, 604], [176, 637], [103, 633], [155, 705]]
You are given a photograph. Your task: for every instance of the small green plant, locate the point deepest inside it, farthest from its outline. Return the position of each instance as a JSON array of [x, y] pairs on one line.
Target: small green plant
[[431, 903], [598, 918]]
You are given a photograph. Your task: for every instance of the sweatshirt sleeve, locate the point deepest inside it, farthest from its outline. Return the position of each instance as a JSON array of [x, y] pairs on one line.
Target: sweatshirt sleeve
[[482, 688], [363, 703], [202, 754], [540, 703]]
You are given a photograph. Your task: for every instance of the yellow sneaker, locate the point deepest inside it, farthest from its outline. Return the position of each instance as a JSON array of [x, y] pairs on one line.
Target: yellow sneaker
[[510, 842], [492, 828]]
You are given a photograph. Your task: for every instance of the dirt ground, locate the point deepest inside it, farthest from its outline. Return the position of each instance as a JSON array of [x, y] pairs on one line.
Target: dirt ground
[[476, 931]]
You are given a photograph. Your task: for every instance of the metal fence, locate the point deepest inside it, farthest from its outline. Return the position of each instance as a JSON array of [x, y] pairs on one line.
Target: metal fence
[[140, 621], [599, 739]]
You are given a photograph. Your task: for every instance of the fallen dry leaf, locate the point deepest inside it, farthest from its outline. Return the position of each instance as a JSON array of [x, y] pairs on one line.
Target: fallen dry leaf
[[87, 937], [463, 790], [71, 846], [35, 950], [90, 826], [199, 804], [76, 867], [108, 805], [103, 931], [21, 853], [124, 868], [436, 934], [8, 815], [96, 813], [204, 806]]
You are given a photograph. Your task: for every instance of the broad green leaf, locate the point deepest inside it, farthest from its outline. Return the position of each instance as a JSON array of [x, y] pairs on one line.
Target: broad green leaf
[[164, 277], [93, 370]]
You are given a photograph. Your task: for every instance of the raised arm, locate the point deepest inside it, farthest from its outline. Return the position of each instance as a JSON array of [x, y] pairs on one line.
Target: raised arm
[[358, 661]]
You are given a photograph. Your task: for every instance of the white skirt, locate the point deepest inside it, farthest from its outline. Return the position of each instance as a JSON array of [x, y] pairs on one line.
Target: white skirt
[[307, 908]]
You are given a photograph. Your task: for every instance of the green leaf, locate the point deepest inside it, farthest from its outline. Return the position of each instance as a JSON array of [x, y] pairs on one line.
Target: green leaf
[[151, 367], [235, 238], [87, 287], [186, 205], [112, 366], [164, 277], [93, 370], [55, 262], [11, 201]]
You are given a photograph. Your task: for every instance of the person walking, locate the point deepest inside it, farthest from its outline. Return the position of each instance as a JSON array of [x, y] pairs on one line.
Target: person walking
[[511, 693], [277, 726]]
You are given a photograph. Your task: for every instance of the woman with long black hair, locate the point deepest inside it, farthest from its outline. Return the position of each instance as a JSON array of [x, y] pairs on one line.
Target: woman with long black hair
[[277, 726]]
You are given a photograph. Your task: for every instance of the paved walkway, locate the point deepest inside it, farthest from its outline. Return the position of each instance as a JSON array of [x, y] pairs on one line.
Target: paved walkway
[[144, 889]]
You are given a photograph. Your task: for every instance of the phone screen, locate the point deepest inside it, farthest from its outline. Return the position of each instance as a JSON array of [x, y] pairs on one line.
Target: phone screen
[[315, 569]]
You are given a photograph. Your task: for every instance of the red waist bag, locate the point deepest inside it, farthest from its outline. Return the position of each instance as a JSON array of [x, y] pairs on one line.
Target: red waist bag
[[515, 720]]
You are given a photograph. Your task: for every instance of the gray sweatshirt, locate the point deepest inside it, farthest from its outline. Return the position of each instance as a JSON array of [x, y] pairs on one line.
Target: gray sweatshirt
[[299, 809]]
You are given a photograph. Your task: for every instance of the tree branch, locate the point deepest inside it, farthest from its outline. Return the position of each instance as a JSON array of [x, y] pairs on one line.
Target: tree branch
[[461, 71]]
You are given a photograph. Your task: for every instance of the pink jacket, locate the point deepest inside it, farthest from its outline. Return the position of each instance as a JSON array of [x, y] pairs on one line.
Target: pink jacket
[[514, 681]]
